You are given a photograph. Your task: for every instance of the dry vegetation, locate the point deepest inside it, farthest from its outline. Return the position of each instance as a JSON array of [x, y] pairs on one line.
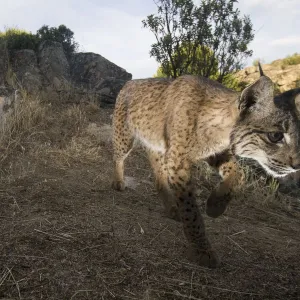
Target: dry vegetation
[[66, 235], [289, 60]]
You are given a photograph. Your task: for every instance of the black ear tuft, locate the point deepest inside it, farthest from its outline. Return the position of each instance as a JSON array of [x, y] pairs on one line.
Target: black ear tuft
[[260, 70]]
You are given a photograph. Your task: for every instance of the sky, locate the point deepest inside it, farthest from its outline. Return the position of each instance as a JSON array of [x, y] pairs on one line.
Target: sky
[[113, 28]]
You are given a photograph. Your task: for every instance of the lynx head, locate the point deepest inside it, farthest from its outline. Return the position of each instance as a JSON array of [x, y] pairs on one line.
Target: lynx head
[[268, 127]]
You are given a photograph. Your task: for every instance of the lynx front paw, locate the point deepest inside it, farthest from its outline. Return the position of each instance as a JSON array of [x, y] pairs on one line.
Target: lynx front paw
[[217, 203], [206, 258], [118, 185]]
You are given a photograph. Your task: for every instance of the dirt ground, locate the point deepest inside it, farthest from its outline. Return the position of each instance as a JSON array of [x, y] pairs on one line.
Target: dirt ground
[[65, 234]]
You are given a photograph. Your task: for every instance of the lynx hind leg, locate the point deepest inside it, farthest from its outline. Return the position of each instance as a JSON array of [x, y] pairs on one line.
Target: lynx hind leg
[[159, 167], [232, 176], [179, 178], [122, 145]]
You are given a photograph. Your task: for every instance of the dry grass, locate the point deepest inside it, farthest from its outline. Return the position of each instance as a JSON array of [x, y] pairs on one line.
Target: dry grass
[[20, 125], [80, 149]]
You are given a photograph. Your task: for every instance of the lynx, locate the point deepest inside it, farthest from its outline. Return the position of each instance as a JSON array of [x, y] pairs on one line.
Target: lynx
[[192, 118]]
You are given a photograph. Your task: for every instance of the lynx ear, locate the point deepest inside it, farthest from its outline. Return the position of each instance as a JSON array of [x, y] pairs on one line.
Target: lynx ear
[[256, 95], [288, 100]]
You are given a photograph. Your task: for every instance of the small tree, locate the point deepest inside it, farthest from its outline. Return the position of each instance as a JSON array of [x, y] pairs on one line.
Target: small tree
[[208, 39], [60, 34]]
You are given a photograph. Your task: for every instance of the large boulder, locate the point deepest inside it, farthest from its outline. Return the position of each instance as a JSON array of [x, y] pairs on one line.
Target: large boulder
[[25, 66], [109, 89], [90, 68], [94, 72], [54, 65]]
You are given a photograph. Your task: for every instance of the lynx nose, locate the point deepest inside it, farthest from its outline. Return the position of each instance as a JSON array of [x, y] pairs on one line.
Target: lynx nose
[[296, 166], [295, 163]]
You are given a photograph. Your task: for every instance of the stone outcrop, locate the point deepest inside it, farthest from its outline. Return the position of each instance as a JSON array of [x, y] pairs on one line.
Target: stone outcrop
[[91, 68], [93, 71], [54, 65], [49, 68], [25, 67], [285, 76]]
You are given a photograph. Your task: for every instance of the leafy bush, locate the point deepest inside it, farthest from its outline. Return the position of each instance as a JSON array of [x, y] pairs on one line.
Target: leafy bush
[[60, 34], [18, 39], [293, 59], [233, 83]]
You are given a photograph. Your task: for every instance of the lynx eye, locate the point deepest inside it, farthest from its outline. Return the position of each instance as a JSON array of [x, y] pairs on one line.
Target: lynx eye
[[275, 137]]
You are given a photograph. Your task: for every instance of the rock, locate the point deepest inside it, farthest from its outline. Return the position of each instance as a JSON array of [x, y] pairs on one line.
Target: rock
[[25, 67], [54, 65], [8, 99], [109, 89], [86, 75], [287, 80], [250, 70], [90, 68], [3, 65], [94, 72]]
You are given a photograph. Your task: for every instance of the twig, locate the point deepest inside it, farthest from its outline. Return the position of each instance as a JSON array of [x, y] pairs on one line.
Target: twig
[[27, 256], [4, 276], [191, 290], [53, 235], [15, 282], [238, 245], [176, 293], [158, 234], [80, 291], [214, 287], [92, 247], [129, 292], [238, 232]]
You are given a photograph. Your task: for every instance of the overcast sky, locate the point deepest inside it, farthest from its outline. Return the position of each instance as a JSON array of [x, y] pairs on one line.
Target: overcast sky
[[113, 28]]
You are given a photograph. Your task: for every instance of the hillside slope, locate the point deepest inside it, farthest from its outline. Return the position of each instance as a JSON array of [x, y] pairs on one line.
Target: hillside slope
[[285, 73]]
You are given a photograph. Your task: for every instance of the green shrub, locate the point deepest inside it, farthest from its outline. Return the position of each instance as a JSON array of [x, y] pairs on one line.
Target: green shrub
[[60, 34], [18, 39], [292, 59], [233, 83]]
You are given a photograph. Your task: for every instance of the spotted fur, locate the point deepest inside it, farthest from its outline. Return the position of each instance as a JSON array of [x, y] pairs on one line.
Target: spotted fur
[[192, 118]]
